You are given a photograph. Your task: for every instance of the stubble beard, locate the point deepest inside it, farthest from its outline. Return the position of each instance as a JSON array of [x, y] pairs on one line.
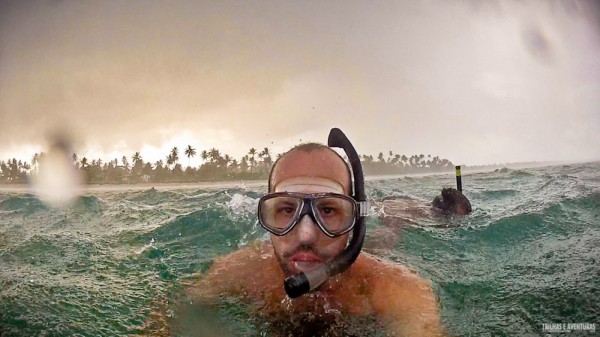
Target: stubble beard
[[284, 258]]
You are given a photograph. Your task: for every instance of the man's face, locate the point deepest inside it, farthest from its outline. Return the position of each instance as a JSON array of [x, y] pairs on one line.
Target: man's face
[[306, 246]]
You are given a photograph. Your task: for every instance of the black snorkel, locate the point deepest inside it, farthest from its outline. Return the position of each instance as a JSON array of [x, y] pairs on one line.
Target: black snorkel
[[302, 283]]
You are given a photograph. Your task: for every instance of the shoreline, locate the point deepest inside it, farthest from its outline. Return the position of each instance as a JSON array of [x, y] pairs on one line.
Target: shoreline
[[259, 183]]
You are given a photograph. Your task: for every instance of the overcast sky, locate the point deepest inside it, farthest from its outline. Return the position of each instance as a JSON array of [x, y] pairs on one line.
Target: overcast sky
[[505, 81]]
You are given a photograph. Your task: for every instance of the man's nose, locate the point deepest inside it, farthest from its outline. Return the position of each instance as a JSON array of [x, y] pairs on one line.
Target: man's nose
[[308, 232]]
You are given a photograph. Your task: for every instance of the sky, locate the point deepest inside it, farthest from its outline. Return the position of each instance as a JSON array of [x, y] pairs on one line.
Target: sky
[[474, 82]]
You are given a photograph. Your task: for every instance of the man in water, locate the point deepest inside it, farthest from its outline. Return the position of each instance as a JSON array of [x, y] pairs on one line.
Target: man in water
[[398, 212], [380, 294], [452, 201]]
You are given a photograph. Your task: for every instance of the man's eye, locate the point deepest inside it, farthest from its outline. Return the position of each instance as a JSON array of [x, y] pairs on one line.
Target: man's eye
[[286, 210], [327, 210]]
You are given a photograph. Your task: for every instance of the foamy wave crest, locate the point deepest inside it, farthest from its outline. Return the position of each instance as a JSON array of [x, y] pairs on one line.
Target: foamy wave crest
[[241, 205]]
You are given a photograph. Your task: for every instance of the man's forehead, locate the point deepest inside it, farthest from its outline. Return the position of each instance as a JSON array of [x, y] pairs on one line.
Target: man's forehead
[[301, 184], [321, 163]]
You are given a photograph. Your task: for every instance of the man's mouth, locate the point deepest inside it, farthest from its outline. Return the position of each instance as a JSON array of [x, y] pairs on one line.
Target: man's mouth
[[304, 261]]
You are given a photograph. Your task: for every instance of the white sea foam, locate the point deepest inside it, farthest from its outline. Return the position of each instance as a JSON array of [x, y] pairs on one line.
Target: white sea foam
[[241, 204]]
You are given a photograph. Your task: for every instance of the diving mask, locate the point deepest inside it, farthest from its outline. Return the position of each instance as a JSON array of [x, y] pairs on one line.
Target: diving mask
[[335, 214]]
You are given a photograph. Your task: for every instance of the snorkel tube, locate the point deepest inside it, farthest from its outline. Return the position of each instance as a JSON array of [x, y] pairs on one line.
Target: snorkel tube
[[304, 282]]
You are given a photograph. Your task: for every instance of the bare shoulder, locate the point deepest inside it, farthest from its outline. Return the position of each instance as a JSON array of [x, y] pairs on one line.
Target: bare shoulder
[[238, 261], [235, 273], [402, 297], [392, 271]]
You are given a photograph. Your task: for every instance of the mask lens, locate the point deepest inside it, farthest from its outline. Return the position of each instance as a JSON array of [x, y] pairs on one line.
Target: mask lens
[[278, 213], [335, 214]]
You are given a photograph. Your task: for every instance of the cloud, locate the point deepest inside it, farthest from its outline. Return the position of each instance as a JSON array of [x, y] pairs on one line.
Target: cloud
[[474, 84]]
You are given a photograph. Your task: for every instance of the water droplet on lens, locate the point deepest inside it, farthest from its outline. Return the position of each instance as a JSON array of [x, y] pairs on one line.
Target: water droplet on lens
[[57, 183]]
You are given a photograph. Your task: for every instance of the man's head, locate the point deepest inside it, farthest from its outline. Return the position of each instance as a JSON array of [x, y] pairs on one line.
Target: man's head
[[308, 168], [452, 202]]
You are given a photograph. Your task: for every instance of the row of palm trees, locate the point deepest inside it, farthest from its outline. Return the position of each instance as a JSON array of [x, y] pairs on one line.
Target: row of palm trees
[[396, 163], [215, 167]]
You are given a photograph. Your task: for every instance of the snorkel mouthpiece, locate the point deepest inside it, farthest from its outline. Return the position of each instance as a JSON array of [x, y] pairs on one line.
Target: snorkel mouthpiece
[[304, 282]]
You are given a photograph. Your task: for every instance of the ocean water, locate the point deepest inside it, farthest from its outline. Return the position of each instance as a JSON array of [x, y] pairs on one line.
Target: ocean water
[[113, 262]]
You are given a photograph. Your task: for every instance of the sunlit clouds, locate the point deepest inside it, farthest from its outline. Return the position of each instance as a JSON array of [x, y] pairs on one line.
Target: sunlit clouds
[[502, 81]]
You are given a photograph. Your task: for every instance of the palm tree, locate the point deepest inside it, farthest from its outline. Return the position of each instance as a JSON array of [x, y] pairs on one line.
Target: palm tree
[[125, 163], [252, 152], [234, 166], [435, 162], [175, 154], [190, 152], [244, 164], [204, 155], [395, 160], [226, 161], [35, 161], [266, 151], [3, 170], [137, 157], [138, 165], [173, 157], [170, 160], [268, 161], [24, 167], [214, 155]]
